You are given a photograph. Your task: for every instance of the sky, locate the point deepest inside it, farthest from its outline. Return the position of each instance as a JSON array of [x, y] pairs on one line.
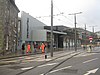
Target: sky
[[41, 9]]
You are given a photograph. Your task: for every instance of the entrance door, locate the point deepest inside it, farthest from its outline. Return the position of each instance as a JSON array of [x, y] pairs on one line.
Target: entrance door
[[60, 41]]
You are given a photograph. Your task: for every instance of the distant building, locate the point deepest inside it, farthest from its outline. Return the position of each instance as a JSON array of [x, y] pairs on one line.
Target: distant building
[[69, 38], [98, 34], [84, 36], [98, 38], [8, 25], [33, 30]]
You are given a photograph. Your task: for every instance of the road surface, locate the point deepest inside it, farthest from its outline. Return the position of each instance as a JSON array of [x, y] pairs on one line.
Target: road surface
[[67, 63]]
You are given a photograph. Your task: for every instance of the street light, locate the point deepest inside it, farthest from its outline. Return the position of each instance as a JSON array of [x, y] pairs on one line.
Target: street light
[[51, 28], [93, 34], [75, 28], [93, 28]]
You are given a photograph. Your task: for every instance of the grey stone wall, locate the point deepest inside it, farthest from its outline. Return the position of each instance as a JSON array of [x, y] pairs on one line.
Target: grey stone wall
[[2, 3], [8, 25]]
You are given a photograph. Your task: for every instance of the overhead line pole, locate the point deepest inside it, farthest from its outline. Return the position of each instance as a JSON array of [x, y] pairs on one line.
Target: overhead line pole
[[51, 28], [75, 29], [85, 36], [93, 30]]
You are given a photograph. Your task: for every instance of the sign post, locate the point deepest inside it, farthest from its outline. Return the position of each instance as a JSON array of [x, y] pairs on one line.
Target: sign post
[[90, 38]]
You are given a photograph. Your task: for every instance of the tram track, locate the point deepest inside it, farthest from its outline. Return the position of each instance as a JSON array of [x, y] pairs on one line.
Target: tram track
[[24, 71]]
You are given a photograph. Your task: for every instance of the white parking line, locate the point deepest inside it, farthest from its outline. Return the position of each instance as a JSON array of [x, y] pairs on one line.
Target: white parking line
[[90, 60]]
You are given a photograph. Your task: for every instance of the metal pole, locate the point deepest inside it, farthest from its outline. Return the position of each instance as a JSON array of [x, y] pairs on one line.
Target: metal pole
[[75, 29], [51, 28], [75, 33], [93, 29], [85, 35]]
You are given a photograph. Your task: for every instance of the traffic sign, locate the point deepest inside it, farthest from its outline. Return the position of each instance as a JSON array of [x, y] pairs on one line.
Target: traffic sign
[[90, 38]]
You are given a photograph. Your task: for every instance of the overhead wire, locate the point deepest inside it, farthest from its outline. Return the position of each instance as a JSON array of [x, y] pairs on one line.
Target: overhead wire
[[62, 21], [62, 14], [56, 15]]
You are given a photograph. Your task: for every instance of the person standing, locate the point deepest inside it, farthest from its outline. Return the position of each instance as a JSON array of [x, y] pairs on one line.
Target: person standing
[[35, 46], [42, 47], [28, 48], [23, 48], [90, 48], [45, 48]]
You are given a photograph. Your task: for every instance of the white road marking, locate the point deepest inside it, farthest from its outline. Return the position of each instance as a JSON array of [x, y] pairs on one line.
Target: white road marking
[[48, 64], [39, 59], [48, 59], [41, 74], [91, 71], [26, 68], [85, 54], [90, 60], [60, 69]]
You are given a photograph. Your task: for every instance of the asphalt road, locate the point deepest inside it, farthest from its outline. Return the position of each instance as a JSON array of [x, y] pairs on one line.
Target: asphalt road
[[70, 64]]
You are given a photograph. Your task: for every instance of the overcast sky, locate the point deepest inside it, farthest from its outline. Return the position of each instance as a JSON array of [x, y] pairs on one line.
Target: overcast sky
[[39, 8]]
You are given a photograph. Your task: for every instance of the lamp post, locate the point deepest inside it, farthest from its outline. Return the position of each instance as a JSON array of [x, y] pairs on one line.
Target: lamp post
[[93, 28], [85, 35], [93, 32], [51, 28], [75, 29]]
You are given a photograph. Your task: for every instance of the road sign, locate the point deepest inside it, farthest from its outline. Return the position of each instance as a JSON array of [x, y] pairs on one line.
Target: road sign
[[90, 38]]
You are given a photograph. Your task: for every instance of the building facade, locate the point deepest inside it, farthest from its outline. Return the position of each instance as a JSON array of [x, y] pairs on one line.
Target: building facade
[[84, 36], [8, 25], [68, 40], [33, 30], [98, 38]]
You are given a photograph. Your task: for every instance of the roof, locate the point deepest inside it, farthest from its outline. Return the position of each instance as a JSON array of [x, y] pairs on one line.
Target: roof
[[13, 2], [57, 32]]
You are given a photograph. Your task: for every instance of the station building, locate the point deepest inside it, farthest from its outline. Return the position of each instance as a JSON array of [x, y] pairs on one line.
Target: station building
[[33, 30]]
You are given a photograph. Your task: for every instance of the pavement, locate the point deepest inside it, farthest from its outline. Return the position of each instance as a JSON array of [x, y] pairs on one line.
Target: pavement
[[36, 57]]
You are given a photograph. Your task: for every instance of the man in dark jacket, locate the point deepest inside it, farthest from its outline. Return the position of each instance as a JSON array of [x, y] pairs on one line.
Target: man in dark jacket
[[23, 48]]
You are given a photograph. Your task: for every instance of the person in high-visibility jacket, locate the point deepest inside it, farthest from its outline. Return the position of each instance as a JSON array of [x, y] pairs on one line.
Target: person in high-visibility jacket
[[42, 48], [28, 48]]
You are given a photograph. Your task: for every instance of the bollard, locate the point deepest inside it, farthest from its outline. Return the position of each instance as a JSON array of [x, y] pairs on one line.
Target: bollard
[[45, 56], [89, 49]]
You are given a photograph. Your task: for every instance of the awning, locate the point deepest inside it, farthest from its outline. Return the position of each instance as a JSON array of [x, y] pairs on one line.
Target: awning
[[57, 32]]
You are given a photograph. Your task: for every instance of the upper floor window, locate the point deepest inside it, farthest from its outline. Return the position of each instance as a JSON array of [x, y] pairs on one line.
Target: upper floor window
[[15, 23]]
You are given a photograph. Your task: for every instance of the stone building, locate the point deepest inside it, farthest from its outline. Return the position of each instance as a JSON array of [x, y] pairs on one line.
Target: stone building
[[8, 26]]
